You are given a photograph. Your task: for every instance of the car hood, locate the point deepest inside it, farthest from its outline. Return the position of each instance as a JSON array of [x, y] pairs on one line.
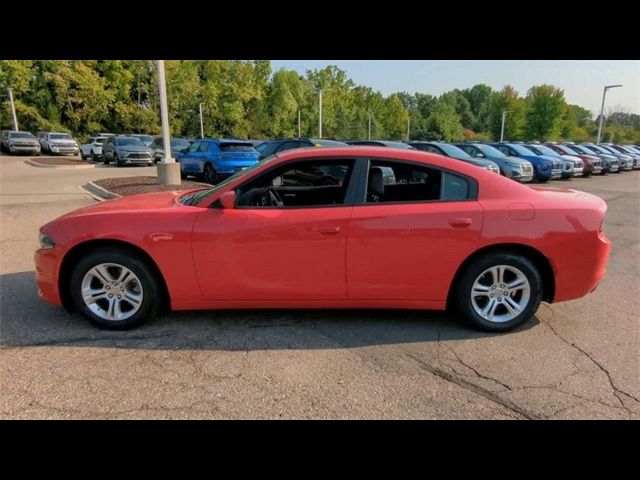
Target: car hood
[[133, 203]]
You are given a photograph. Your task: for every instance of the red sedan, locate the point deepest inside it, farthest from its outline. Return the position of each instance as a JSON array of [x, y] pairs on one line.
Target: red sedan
[[348, 227]]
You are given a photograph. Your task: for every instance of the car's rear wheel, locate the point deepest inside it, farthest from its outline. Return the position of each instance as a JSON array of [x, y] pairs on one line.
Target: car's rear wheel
[[210, 175], [114, 289], [499, 291]]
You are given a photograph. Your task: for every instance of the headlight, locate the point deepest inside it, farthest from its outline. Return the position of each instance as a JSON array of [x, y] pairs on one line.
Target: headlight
[[46, 241]]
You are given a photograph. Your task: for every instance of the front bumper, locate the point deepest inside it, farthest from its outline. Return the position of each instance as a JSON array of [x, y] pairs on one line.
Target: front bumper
[[47, 265], [556, 173], [137, 159], [24, 149], [64, 150]]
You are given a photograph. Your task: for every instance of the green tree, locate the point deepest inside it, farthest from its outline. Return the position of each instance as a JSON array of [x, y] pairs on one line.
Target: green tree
[[545, 108], [445, 121], [507, 100]]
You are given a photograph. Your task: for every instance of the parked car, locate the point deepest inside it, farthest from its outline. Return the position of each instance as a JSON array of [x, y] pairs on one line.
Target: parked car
[[615, 166], [380, 143], [60, 143], [572, 166], [513, 167], [635, 154], [626, 160], [213, 160], [609, 162], [178, 145], [448, 234], [145, 139], [271, 147], [4, 135], [544, 168], [93, 148], [20, 142], [452, 151], [124, 150], [592, 164]]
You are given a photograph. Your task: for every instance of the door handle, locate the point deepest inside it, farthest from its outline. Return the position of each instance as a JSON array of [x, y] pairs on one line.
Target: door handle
[[326, 230], [461, 222]]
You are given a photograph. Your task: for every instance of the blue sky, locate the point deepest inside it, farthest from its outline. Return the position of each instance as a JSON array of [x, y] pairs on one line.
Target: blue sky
[[581, 80]]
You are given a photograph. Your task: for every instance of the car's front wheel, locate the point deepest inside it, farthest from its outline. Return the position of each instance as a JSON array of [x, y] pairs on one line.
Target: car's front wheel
[[116, 160], [499, 291], [114, 289]]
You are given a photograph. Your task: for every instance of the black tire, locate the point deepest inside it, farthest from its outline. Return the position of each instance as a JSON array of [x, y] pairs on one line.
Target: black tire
[[93, 156], [543, 180], [151, 290], [82, 155], [468, 277], [116, 161], [209, 175]]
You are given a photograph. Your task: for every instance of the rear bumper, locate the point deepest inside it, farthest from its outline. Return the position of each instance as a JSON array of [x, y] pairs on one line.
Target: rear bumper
[[47, 263], [580, 275]]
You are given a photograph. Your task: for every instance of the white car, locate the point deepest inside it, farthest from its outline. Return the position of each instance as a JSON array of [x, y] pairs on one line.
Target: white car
[[62, 143], [92, 149]]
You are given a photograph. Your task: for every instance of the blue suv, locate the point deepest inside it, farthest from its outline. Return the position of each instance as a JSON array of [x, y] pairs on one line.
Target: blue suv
[[544, 168], [213, 160]]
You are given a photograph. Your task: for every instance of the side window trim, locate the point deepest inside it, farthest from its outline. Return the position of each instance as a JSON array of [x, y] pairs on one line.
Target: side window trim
[[361, 198], [350, 195]]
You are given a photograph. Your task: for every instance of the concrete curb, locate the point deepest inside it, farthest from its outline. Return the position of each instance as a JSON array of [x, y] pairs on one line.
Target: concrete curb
[[98, 192], [33, 163]]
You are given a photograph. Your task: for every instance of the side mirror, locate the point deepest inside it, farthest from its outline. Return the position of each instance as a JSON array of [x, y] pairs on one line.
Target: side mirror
[[228, 199]]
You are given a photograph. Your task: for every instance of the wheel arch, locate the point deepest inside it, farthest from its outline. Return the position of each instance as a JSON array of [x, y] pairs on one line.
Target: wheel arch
[[75, 253], [540, 261]]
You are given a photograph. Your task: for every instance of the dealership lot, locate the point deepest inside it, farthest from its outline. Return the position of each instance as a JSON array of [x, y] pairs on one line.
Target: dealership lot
[[579, 359]]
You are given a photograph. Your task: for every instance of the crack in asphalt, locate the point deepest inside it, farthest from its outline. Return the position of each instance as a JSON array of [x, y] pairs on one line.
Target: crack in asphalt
[[493, 397], [616, 391]]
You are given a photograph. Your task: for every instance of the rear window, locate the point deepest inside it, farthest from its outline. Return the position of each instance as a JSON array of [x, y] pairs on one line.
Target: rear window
[[236, 147], [267, 149], [326, 143]]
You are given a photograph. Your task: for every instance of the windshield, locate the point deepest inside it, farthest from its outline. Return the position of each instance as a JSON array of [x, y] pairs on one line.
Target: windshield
[[200, 195], [129, 141], [565, 150], [578, 149], [545, 150], [20, 135], [61, 136], [454, 152], [178, 143], [144, 138], [597, 149], [520, 150], [488, 150], [267, 149]]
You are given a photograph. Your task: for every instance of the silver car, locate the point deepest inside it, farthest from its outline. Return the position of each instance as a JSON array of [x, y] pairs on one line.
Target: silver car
[[58, 143], [20, 142], [514, 168], [123, 150]]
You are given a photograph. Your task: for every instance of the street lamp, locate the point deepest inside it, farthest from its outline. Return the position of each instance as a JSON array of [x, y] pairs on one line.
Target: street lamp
[[201, 124], [168, 169], [320, 111], [604, 94], [504, 115]]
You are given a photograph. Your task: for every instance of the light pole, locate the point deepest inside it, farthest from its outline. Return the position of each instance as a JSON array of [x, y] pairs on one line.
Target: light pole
[[408, 127], [168, 169], [13, 111], [504, 115], [201, 124], [369, 126], [604, 94], [320, 111], [299, 135]]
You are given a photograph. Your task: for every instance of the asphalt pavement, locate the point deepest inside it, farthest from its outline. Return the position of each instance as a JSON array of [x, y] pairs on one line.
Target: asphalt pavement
[[579, 359]]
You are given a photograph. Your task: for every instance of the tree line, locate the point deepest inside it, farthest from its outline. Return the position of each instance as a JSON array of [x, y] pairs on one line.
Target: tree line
[[245, 99]]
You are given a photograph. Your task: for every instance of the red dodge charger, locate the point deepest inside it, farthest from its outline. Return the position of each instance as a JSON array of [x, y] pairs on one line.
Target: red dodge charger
[[347, 227]]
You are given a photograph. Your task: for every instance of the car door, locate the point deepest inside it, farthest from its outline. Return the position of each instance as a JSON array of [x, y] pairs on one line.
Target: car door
[[407, 239], [286, 253]]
